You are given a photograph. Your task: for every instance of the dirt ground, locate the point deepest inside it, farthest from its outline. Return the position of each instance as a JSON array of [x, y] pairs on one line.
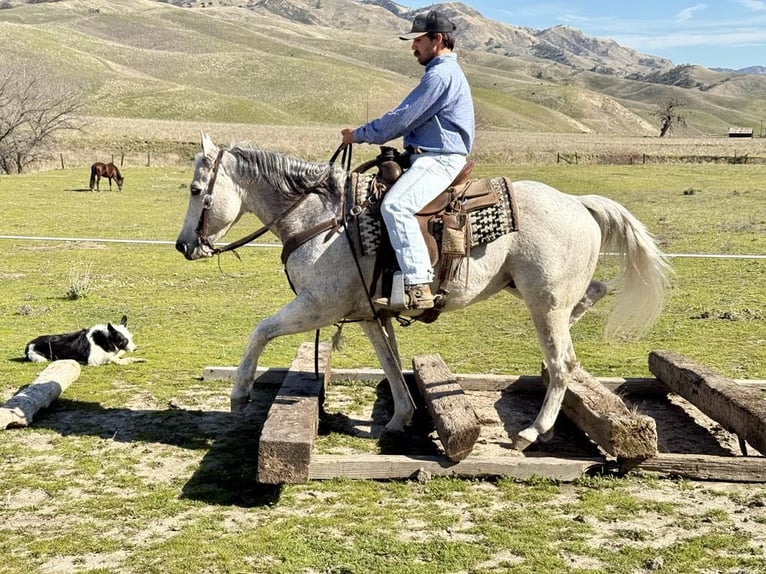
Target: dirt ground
[[199, 438]]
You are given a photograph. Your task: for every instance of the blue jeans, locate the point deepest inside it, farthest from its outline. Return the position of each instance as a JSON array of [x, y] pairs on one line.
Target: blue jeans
[[427, 177]]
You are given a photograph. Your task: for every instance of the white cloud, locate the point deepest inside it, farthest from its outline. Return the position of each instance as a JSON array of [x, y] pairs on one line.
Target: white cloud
[[722, 38], [754, 5], [688, 13]]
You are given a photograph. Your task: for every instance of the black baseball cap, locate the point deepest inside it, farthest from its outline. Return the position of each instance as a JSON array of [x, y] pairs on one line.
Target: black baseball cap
[[424, 24]]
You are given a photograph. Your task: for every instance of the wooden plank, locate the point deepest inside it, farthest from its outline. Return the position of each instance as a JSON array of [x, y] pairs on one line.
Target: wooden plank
[[606, 420], [21, 408], [736, 408], [470, 382], [702, 467], [452, 413], [287, 438], [386, 467]]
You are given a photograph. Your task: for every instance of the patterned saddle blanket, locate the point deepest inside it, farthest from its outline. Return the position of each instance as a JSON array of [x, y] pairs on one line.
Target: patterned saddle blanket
[[483, 224]]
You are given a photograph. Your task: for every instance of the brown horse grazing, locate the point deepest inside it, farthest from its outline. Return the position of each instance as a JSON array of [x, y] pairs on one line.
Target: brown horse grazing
[[107, 170]]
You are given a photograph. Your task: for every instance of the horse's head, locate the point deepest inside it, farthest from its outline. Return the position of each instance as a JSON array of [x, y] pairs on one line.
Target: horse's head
[[214, 204], [119, 179]]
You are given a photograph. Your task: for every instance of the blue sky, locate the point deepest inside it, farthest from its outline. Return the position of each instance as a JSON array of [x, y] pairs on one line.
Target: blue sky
[[713, 33]]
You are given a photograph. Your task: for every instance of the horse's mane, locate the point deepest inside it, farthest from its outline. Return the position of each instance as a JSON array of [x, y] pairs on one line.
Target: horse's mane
[[291, 176]]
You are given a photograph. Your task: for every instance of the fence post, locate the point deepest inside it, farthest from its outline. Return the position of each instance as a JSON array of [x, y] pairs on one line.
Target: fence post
[[148, 159], [61, 155]]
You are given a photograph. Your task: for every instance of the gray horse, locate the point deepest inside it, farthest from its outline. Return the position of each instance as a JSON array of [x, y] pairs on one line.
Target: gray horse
[[548, 263]]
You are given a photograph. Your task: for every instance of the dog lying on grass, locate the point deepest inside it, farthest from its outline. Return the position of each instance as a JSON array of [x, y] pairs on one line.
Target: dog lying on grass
[[99, 345]]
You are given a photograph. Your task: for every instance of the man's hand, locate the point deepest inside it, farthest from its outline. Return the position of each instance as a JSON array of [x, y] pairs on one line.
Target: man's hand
[[348, 135]]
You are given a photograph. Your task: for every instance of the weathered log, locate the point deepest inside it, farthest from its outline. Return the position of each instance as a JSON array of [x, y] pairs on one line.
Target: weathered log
[[452, 413], [702, 467], [21, 408], [737, 408], [287, 438], [386, 467], [606, 420]]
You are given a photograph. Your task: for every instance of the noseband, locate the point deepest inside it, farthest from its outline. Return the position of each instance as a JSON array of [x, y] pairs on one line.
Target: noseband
[[207, 202]]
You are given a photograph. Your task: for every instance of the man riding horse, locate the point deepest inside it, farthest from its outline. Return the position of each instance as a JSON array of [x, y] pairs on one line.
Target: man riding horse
[[437, 123]]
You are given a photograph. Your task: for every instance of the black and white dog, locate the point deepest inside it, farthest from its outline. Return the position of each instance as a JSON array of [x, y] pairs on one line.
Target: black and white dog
[[99, 345]]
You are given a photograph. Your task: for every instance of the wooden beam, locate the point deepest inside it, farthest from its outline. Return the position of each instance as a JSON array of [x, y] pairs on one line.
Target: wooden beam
[[452, 413], [21, 408], [702, 467], [470, 382], [386, 467], [284, 449], [606, 420], [736, 408]]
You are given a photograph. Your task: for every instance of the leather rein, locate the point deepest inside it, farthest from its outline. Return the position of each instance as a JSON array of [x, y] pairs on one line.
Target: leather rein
[[290, 244]]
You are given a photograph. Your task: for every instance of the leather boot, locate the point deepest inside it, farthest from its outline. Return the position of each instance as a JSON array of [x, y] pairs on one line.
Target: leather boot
[[418, 296], [415, 297]]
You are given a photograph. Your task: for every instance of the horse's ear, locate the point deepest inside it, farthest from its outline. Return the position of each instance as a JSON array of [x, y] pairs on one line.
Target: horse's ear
[[208, 147], [124, 320]]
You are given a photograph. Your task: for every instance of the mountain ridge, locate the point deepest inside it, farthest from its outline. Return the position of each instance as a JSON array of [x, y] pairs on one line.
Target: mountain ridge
[[341, 62]]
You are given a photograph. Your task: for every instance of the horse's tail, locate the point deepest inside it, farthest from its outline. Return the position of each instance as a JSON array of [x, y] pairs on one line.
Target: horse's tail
[[92, 176], [643, 282]]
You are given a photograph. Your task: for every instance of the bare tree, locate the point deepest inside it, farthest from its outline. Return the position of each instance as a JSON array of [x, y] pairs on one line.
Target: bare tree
[[669, 116], [34, 107]]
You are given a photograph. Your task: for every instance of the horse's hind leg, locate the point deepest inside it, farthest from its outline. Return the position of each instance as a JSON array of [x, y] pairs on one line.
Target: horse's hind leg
[[388, 355], [596, 290], [554, 338]]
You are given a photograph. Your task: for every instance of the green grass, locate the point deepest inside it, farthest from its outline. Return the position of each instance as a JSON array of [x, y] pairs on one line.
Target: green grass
[[115, 478]]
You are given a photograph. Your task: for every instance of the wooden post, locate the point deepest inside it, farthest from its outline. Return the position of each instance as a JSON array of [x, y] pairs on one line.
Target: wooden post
[[284, 450], [606, 420], [49, 384], [453, 415], [738, 409], [61, 156]]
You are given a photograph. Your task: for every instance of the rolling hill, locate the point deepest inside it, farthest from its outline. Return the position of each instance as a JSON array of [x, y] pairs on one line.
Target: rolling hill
[[312, 62]]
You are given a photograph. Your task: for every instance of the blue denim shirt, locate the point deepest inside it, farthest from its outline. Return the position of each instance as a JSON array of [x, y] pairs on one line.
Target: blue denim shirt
[[437, 115]]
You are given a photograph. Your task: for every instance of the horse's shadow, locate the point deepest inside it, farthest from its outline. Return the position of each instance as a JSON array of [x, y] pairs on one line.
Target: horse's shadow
[[80, 189], [415, 440], [226, 474]]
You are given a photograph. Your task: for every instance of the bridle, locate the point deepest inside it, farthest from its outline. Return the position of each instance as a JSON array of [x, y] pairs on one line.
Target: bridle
[[290, 244]]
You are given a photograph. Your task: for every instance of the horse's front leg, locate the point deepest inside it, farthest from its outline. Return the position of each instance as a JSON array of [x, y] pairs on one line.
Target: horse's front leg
[[385, 348], [298, 316]]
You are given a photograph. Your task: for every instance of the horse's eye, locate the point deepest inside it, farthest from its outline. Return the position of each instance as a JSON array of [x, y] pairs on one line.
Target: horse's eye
[[195, 189]]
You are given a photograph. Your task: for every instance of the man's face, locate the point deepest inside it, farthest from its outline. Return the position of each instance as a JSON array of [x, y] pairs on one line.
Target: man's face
[[425, 49]]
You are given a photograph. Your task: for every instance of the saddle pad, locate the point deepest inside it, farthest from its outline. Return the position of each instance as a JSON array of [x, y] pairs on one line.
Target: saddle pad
[[368, 222], [486, 223]]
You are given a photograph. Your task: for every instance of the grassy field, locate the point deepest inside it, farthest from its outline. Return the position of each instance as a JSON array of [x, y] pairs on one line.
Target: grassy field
[[141, 468]]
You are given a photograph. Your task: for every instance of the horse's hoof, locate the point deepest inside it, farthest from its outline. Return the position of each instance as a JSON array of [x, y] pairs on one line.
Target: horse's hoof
[[238, 404], [398, 424], [524, 439]]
